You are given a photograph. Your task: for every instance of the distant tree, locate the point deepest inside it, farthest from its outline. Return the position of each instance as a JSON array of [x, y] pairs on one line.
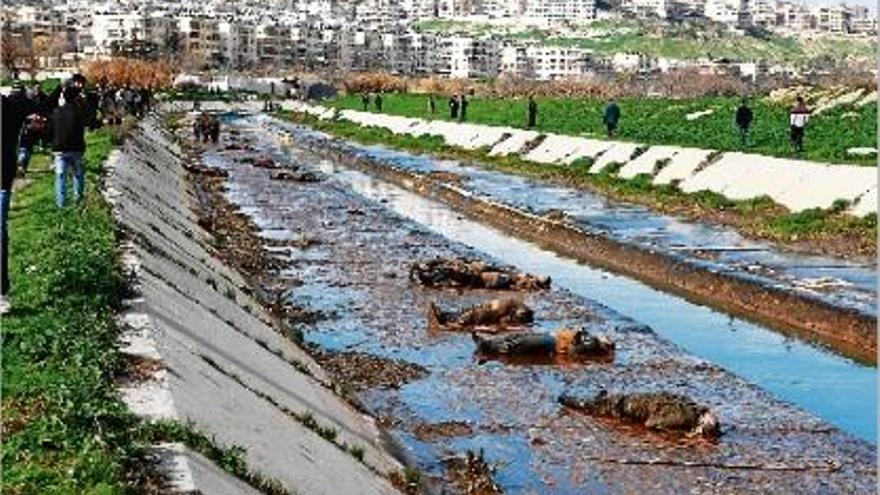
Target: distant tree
[[16, 54]]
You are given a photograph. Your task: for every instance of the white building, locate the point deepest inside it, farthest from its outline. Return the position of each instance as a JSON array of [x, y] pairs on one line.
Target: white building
[[553, 11], [645, 8], [548, 63]]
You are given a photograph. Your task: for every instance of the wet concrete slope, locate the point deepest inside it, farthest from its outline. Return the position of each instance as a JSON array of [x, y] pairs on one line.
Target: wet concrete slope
[[225, 366], [354, 271]]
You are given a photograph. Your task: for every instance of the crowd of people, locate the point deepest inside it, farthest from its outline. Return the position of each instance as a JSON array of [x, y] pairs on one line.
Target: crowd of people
[[611, 116], [56, 121]]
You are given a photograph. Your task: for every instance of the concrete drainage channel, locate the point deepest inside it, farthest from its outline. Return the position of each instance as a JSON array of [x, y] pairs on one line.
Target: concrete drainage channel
[[806, 375], [218, 361], [350, 241]]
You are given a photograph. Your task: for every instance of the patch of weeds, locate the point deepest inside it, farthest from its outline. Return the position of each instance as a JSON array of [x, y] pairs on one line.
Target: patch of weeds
[[231, 459]]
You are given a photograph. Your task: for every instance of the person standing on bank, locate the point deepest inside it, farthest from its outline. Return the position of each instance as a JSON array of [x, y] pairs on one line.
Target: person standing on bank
[[69, 144], [533, 112], [798, 118], [453, 107], [432, 105], [365, 101], [462, 111], [378, 101], [743, 122], [14, 110], [611, 118]]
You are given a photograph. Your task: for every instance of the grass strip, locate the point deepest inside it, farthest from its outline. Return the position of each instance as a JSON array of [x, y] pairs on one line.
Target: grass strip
[[65, 429]]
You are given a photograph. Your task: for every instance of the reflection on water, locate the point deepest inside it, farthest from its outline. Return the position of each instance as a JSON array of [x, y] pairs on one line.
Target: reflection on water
[[832, 387]]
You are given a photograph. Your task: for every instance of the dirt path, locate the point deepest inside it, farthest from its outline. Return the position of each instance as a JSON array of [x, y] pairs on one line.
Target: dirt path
[[347, 259]]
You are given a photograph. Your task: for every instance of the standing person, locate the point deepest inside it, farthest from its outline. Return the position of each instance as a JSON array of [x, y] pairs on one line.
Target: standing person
[[432, 105], [14, 109], [463, 104], [32, 132], [611, 118], [453, 107], [533, 112], [365, 101], [69, 145], [743, 121], [378, 101], [214, 128], [798, 118]]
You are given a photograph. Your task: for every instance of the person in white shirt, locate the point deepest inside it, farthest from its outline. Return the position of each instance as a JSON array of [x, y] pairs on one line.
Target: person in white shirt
[[798, 118]]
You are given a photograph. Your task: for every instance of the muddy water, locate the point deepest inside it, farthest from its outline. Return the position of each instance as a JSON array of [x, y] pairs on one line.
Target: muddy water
[[367, 233], [833, 387]]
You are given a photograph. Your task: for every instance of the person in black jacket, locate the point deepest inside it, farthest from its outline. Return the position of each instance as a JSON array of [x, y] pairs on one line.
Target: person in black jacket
[[14, 109], [533, 112], [743, 122], [68, 125]]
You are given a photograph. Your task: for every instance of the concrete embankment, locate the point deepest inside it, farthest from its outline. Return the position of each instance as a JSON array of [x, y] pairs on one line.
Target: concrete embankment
[[224, 366], [795, 184]]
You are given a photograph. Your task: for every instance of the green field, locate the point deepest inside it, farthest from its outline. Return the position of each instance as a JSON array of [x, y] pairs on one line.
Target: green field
[[662, 121]]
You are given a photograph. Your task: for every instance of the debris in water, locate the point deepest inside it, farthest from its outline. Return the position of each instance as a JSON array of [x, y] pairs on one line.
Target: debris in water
[[362, 371], [296, 176], [428, 432], [659, 411], [495, 313], [472, 475]]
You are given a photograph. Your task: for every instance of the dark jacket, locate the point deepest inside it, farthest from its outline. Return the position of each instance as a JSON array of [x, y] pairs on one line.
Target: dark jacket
[[743, 116], [612, 114], [69, 128], [14, 109]]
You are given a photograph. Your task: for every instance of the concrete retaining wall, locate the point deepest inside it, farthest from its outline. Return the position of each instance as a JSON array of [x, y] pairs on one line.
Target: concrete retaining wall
[[227, 369], [796, 184]]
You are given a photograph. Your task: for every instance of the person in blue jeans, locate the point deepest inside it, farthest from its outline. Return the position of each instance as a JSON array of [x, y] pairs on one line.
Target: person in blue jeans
[[14, 109], [69, 144]]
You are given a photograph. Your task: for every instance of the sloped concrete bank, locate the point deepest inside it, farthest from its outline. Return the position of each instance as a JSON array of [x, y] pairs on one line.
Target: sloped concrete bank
[[846, 329], [223, 365], [796, 184]]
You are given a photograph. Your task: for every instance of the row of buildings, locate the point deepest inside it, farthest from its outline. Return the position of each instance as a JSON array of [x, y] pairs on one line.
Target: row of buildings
[[363, 36]]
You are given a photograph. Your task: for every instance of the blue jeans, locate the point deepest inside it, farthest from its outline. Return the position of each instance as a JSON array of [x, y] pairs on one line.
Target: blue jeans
[[24, 157], [5, 196], [72, 161]]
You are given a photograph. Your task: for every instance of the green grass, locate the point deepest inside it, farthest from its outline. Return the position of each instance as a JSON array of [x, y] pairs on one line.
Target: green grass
[[65, 429], [662, 121], [758, 217]]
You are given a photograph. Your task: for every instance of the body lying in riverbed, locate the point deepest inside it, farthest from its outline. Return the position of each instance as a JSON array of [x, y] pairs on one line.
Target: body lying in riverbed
[[498, 313], [659, 411], [575, 343], [474, 274]]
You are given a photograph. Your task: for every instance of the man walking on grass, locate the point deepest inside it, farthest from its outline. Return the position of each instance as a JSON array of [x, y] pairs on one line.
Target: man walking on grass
[[743, 122], [798, 118], [69, 145], [611, 118], [533, 112]]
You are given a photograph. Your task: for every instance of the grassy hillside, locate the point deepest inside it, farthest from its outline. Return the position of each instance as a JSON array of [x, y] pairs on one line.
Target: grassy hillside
[[664, 121], [688, 40]]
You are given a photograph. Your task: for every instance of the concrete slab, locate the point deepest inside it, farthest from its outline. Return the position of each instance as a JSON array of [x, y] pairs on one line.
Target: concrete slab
[[514, 143], [646, 163], [227, 369], [618, 153], [866, 204], [684, 164]]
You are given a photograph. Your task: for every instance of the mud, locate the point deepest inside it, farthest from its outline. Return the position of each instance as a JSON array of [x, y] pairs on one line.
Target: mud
[[427, 432], [472, 475], [361, 371], [848, 330], [356, 271]]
